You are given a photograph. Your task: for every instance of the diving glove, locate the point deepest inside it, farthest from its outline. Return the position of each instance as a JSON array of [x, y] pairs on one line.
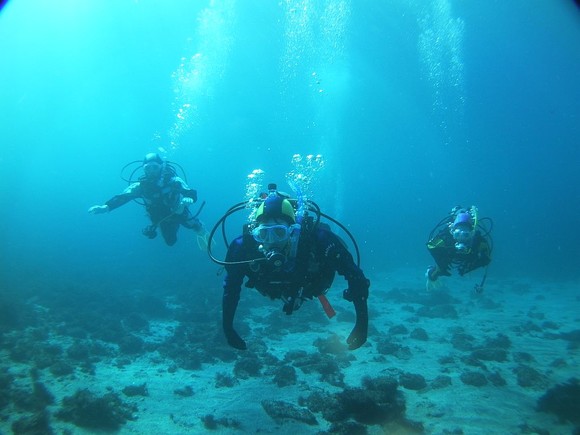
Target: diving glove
[[99, 209], [431, 273], [234, 340], [358, 336], [183, 204]]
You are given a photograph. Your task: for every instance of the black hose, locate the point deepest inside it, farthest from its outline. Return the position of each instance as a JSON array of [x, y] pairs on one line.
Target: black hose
[[349, 235], [231, 210], [310, 205]]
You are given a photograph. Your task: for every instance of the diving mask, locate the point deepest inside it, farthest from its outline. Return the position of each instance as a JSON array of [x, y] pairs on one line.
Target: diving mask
[[152, 169], [463, 237], [272, 234]]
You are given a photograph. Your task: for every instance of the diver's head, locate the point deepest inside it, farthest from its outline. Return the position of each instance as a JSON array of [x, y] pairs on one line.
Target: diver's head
[[275, 222], [276, 207], [462, 231], [152, 165]]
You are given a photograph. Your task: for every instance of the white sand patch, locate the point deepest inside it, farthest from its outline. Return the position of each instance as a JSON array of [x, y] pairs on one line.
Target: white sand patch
[[474, 410]]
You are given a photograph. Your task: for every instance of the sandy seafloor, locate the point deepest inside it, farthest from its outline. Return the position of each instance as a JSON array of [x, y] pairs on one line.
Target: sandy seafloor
[[532, 315]]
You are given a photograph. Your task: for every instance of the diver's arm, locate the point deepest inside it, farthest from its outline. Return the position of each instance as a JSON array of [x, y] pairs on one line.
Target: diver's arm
[[479, 257], [130, 193], [232, 289], [229, 307], [358, 293], [483, 252], [359, 333], [358, 287], [184, 189]]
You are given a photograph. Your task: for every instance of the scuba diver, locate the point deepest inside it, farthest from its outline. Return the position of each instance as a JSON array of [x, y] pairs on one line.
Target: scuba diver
[[460, 241], [166, 198], [290, 255]]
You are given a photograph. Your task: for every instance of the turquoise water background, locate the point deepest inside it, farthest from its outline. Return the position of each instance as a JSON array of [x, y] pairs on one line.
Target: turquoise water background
[[416, 106]]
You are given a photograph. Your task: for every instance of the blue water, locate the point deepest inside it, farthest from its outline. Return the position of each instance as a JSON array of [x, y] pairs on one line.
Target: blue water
[[416, 107]]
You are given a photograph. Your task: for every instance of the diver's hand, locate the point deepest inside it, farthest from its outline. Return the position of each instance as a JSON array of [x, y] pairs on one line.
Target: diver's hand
[[358, 336], [431, 273], [234, 340], [184, 202], [99, 209]]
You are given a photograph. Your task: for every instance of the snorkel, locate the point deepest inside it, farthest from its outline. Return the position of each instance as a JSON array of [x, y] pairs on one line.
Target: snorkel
[[473, 211]]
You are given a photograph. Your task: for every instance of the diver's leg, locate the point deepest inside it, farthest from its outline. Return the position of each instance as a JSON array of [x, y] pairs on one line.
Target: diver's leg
[[169, 231], [193, 223]]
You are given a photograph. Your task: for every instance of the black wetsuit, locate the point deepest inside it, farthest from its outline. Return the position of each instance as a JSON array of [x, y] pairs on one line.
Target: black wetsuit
[[447, 257], [161, 198], [320, 255]]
